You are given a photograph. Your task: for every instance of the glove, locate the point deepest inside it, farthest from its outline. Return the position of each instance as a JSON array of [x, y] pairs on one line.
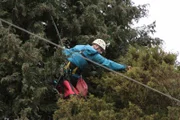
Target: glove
[[128, 67]]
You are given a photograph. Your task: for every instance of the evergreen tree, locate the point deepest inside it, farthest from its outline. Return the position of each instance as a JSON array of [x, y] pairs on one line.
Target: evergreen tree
[[27, 64], [156, 69]]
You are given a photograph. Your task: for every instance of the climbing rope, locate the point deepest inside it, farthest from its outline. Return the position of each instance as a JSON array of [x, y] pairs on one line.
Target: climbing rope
[[133, 80]]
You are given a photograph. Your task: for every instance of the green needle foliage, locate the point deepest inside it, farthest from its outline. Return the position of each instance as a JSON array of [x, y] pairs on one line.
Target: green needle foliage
[[29, 65]]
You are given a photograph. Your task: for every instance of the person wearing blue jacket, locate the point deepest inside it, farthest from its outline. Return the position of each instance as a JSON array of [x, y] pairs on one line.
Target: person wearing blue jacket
[[77, 62], [93, 53]]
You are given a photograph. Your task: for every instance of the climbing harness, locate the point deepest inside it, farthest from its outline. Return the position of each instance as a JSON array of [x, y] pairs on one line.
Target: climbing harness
[[71, 67], [64, 84]]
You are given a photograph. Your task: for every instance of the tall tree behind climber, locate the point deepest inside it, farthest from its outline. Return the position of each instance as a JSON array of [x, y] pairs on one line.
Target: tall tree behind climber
[[76, 64]]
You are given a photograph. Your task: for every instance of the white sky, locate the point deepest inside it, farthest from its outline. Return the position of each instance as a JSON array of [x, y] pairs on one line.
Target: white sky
[[167, 16]]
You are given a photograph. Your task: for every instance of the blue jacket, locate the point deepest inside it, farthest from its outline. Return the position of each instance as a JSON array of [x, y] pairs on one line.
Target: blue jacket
[[89, 52]]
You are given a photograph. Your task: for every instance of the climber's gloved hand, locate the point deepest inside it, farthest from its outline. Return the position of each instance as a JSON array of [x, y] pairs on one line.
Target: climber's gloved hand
[[128, 68]]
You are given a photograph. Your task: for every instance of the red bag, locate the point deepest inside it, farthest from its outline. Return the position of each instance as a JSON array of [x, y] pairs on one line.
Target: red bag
[[68, 89], [82, 87]]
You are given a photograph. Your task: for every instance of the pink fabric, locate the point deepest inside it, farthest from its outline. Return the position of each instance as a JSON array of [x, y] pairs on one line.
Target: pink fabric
[[68, 89], [82, 87]]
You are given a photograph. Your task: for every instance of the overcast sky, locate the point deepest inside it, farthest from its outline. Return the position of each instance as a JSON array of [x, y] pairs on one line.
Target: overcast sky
[[167, 17]]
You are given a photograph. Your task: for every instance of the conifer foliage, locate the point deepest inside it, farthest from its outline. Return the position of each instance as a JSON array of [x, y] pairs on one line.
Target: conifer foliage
[[28, 65]]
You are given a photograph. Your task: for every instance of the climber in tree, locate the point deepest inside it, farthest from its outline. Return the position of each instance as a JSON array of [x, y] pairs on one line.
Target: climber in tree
[[76, 64]]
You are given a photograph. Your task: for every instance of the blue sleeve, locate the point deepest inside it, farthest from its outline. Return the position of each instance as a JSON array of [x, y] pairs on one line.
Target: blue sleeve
[[108, 63], [72, 50]]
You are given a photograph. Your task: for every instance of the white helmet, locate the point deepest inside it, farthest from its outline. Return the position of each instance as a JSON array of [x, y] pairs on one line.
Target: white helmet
[[100, 42]]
